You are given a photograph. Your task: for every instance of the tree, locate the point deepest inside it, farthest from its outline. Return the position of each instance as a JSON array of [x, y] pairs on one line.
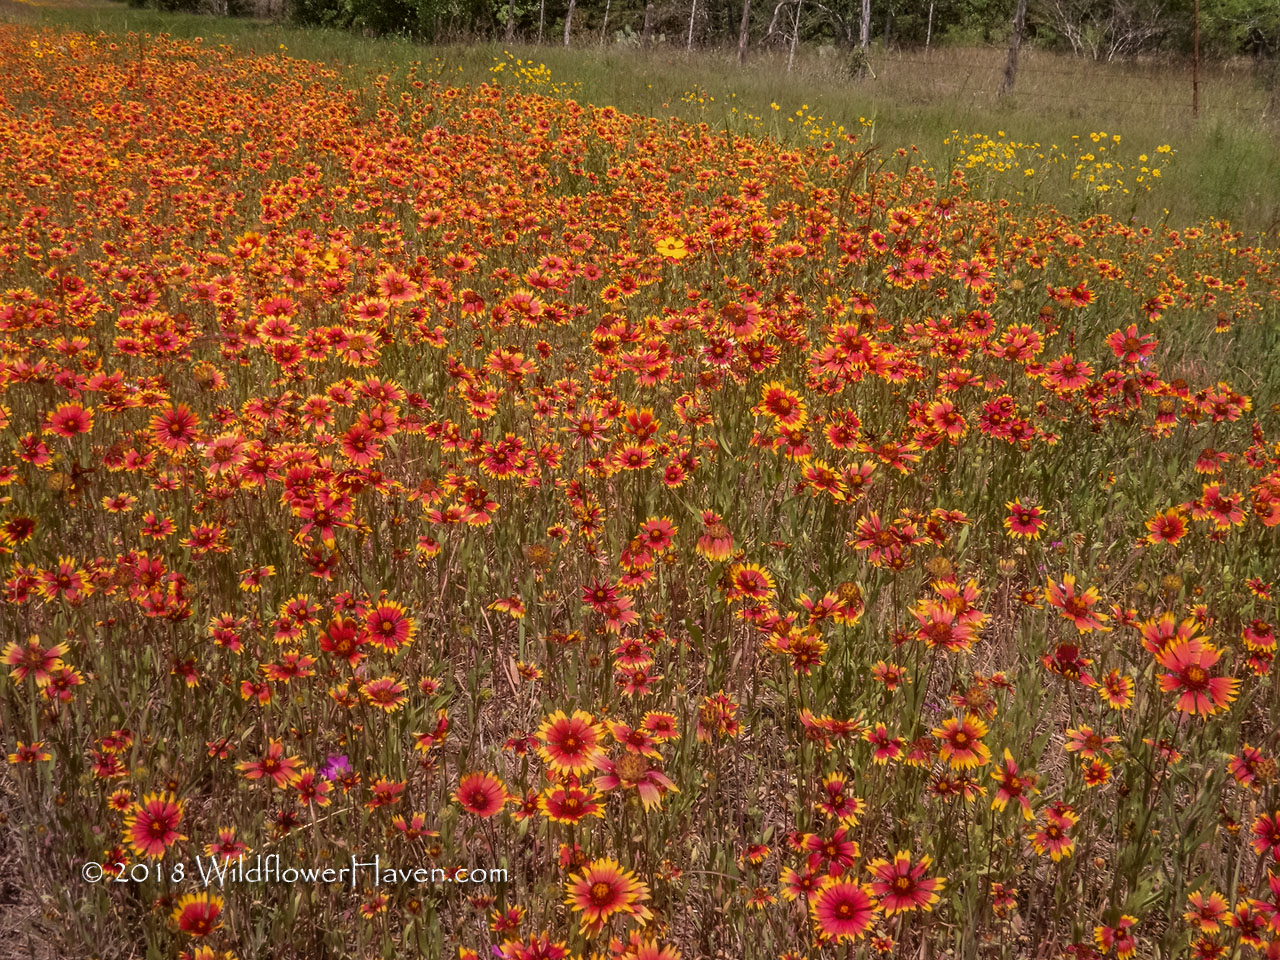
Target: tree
[[862, 63], [744, 30], [795, 36], [1109, 29], [1015, 41]]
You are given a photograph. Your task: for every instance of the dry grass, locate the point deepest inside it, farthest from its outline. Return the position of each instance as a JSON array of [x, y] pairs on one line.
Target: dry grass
[[19, 907], [1147, 92]]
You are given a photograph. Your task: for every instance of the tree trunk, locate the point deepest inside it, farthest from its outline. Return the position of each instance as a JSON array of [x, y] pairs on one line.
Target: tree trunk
[[859, 64], [795, 36], [646, 32], [744, 30], [888, 22], [1015, 41], [568, 20], [511, 20], [693, 11], [604, 30], [928, 30]]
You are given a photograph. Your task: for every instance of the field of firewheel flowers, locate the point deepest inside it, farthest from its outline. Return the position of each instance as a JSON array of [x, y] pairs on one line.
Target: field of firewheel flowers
[[447, 520]]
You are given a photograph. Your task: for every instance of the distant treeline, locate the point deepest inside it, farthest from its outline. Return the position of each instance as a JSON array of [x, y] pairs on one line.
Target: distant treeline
[[1104, 30]]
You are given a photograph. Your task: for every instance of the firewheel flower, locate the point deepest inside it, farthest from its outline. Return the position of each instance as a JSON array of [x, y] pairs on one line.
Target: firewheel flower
[[1052, 837], [716, 541], [1013, 786], [633, 772], [197, 914], [1266, 834], [843, 910], [1076, 607], [569, 804], [273, 765], [962, 744], [1129, 346], [481, 794], [388, 626], [901, 886], [570, 744], [152, 827], [175, 429], [1120, 937], [605, 889], [1206, 911], [30, 753], [69, 419], [1024, 521], [386, 693], [33, 660], [225, 453], [1188, 663], [785, 405]]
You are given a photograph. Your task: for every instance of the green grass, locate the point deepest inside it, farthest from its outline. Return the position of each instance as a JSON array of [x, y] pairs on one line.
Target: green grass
[[1226, 163]]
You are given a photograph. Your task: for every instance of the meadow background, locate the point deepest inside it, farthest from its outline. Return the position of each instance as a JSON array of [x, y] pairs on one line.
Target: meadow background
[[1229, 165], [770, 509]]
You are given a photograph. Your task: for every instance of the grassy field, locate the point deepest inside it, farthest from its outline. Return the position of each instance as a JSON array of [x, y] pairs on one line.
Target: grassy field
[[732, 536], [1226, 163]]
